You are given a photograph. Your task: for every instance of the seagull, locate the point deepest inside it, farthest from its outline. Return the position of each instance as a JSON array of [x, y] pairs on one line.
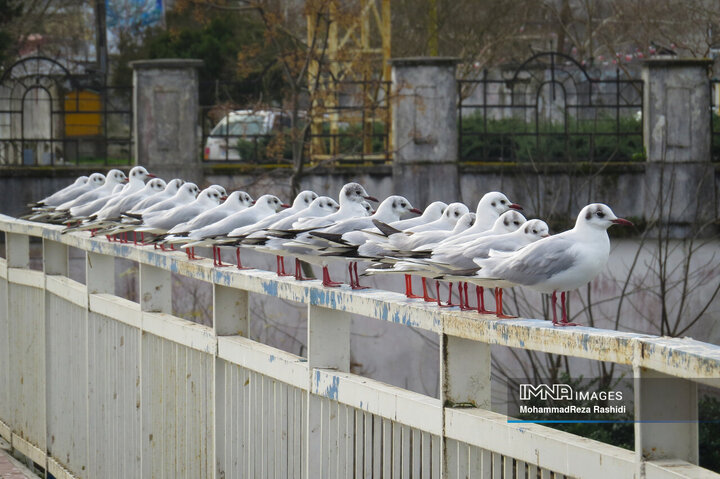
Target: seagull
[[263, 207], [507, 222], [44, 208], [489, 209], [348, 233], [135, 182], [185, 194], [237, 201], [432, 212], [170, 190], [351, 198], [562, 262], [457, 263], [112, 179], [162, 222], [446, 222], [384, 253]]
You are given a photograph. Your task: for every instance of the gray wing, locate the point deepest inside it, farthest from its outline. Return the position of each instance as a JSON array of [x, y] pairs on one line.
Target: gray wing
[[536, 263]]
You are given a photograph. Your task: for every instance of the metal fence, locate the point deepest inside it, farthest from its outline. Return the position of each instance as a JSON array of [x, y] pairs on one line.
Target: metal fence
[[550, 109], [94, 385], [51, 117], [353, 127]]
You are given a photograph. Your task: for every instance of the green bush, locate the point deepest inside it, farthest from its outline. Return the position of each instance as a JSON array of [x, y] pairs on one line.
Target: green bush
[[516, 140]]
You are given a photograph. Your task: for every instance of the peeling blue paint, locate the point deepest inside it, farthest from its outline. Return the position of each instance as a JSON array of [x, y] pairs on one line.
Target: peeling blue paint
[[272, 358], [331, 392], [270, 287], [174, 267], [221, 277], [584, 341]]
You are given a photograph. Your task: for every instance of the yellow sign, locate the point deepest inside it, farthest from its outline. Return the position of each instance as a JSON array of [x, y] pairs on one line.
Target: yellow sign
[[83, 114]]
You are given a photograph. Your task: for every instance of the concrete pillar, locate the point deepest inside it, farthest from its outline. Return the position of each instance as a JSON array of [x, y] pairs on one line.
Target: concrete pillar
[[166, 105], [677, 132], [424, 129]]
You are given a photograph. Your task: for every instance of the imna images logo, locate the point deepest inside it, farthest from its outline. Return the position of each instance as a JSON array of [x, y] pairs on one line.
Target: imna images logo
[[564, 392]]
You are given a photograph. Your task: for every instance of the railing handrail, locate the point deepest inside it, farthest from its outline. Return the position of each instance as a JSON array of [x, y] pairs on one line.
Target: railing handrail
[[680, 357]]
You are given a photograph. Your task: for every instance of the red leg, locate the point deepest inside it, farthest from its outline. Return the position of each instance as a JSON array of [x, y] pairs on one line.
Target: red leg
[[563, 300], [499, 305], [426, 296], [299, 272], [352, 278], [408, 287], [553, 301], [480, 292], [437, 292], [326, 279], [237, 257], [462, 292], [142, 237], [282, 267], [357, 277]]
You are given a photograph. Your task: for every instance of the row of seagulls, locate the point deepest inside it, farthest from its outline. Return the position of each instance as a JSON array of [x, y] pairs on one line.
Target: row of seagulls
[[493, 247]]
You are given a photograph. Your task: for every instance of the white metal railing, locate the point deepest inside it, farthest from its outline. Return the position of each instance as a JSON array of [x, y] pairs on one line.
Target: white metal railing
[[93, 385]]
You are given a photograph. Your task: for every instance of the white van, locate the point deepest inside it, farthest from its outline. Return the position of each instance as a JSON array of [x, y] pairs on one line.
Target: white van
[[223, 142]]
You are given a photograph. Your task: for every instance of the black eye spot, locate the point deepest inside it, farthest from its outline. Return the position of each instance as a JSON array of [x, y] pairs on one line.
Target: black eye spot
[[600, 214], [493, 203], [516, 223], [527, 228], [402, 205], [505, 222], [534, 231], [394, 205], [502, 202], [457, 214]]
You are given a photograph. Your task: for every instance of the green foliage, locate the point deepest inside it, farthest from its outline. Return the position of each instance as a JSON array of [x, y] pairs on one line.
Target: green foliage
[[709, 414], [9, 11], [516, 140]]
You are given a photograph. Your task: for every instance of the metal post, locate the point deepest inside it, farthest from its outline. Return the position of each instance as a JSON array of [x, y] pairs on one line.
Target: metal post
[[328, 348], [666, 412]]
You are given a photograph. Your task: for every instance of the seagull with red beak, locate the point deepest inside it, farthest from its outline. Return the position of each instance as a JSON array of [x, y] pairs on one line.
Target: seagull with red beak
[[559, 263]]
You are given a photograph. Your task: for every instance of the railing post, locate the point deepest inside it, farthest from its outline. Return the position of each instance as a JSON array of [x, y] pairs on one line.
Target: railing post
[[328, 348], [55, 258], [231, 317], [155, 289], [17, 250], [666, 412], [231, 313], [465, 368], [100, 273]]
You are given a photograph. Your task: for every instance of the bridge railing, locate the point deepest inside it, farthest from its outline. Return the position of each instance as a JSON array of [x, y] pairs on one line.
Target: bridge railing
[[94, 385]]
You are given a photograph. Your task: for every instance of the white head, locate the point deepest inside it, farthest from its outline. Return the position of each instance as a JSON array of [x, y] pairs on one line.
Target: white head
[[322, 206], [220, 190], [535, 230], [303, 199], [269, 202], [465, 222], [155, 185], [209, 196], [495, 203], [139, 173], [508, 222], [98, 179], [354, 192], [434, 211], [598, 216], [80, 180], [368, 208], [454, 211], [188, 190], [174, 185], [395, 206], [239, 200], [115, 177]]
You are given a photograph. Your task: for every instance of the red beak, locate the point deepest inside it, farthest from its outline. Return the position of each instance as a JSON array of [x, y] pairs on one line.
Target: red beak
[[515, 206], [150, 175], [253, 202], [371, 198], [622, 222], [285, 205], [223, 198], [126, 180], [416, 211]]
